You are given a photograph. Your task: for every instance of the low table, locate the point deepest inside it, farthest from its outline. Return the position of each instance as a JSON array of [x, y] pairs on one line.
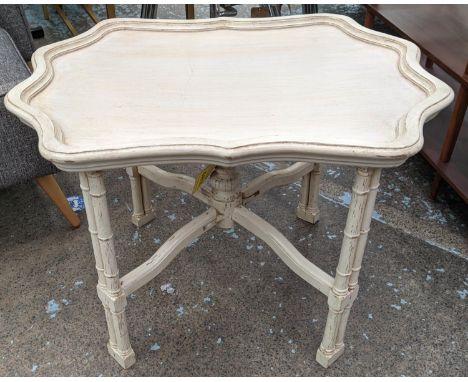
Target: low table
[[310, 89]]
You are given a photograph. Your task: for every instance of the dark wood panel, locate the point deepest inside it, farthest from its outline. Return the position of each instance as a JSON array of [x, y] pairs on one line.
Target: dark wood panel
[[441, 31]]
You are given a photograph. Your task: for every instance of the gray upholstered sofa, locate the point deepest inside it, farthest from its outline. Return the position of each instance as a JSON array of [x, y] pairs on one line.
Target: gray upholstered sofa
[[19, 155]]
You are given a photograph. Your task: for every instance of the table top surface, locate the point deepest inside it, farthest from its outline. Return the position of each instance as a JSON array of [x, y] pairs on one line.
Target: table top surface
[[441, 30], [228, 91]]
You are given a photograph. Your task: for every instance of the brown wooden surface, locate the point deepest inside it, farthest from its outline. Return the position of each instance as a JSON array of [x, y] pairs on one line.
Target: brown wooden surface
[[455, 124], [441, 31], [454, 172]]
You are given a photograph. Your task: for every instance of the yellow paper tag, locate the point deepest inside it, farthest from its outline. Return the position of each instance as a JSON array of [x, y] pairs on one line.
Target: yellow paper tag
[[202, 176]]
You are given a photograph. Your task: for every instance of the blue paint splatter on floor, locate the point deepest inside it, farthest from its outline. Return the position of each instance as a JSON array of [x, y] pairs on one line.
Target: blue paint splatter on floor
[[406, 201], [76, 203], [462, 293], [180, 311], [231, 232], [346, 198], [52, 308], [168, 288], [136, 236]]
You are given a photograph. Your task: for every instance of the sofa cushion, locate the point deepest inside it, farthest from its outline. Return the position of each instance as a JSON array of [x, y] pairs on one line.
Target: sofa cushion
[[19, 154], [13, 20], [14, 69]]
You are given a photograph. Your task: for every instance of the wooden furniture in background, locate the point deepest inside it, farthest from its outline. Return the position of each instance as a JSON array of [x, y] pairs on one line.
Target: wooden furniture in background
[[441, 31], [330, 118], [110, 11]]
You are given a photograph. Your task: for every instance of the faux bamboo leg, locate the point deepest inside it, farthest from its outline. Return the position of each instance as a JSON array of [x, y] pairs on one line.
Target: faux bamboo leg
[[142, 211], [109, 290], [97, 253], [361, 246], [307, 208], [340, 295]]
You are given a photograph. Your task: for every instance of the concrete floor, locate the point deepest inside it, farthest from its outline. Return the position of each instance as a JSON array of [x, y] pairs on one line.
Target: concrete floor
[[237, 310]]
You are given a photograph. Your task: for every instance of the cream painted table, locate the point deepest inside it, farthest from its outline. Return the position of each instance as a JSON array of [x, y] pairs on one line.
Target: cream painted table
[[135, 93]]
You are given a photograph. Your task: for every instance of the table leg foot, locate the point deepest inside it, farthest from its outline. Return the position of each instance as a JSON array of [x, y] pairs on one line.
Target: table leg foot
[[307, 208], [125, 360], [326, 358], [141, 220], [142, 211]]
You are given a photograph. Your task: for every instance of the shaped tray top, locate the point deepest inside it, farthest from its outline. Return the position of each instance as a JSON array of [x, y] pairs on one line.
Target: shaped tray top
[[228, 91]]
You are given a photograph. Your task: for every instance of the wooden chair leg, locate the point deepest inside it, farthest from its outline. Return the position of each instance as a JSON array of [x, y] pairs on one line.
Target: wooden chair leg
[[53, 190], [45, 10], [110, 10], [435, 187], [189, 11], [66, 20], [369, 20]]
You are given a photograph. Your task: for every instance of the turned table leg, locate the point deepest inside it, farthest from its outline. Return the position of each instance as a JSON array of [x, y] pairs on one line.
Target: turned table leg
[[345, 285], [307, 208], [141, 199], [108, 288]]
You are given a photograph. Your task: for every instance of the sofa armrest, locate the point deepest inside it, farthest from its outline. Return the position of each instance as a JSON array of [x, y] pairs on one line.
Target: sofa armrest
[[13, 20]]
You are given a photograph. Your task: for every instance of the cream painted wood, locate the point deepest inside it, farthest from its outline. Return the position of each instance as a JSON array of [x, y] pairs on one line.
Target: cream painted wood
[[361, 246], [180, 182], [171, 111], [345, 285], [284, 249], [265, 182], [308, 208], [84, 184], [142, 210], [168, 251], [350, 95], [109, 289]]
